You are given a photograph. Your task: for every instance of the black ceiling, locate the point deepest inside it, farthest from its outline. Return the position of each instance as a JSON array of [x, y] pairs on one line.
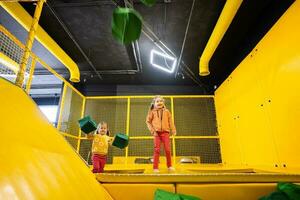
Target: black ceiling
[[87, 23]]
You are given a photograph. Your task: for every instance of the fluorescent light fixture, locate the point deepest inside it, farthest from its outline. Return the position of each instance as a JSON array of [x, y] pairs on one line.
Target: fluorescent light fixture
[[166, 57]]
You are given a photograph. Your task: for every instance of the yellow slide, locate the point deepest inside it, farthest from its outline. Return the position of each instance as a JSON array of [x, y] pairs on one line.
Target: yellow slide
[[35, 160]]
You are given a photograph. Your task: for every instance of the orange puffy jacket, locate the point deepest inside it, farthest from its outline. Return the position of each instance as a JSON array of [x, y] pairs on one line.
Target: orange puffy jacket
[[160, 120]]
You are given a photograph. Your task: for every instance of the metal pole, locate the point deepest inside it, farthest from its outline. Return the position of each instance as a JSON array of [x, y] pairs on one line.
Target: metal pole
[[62, 104], [184, 39], [32, 67], [127, 127], [173, 137], [29, 42], [79, 132]]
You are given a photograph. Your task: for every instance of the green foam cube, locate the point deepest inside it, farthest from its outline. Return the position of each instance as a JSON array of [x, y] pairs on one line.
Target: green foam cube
[[87, 124], [188, 197], [121, 140], [165, 195]]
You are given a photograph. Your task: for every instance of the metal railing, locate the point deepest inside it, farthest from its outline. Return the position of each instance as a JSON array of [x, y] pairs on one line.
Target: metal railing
[[127, 114]]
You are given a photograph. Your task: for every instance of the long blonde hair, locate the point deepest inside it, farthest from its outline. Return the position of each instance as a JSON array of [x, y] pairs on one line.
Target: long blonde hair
[[153, 102], [99, 126]]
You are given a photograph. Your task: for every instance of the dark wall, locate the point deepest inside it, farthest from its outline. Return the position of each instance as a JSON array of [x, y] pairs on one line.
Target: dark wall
[[105, 90]]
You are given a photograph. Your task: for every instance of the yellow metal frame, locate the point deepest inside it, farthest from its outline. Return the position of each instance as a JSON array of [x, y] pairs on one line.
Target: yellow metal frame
[[128, 108], [171, 97], [29, 42], [84, 98], [32, 68], [25, 20], [45, 65], [37, 59], [127, 126], [149, 96], [70, 135], [62, 103], [79, 132], [173, 139], [9, 63]]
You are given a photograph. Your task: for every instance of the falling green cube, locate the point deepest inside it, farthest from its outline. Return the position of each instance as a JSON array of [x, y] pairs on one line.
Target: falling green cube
[[121, 140], [87, 124], [126, 25]]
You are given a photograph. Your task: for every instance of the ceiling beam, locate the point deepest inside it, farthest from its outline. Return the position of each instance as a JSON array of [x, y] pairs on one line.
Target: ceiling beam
[[66, 29], [46, 86], [63, 72], [98, 3]]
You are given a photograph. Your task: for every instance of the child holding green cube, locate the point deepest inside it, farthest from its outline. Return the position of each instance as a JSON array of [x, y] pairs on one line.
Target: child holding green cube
[[101, 141]]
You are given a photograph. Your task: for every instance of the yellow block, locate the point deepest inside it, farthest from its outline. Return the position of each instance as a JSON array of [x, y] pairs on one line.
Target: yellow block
[[226, 191], [136, 191], [36, 161]]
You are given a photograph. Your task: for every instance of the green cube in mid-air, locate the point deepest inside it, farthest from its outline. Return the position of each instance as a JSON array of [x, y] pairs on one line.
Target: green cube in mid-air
[[87, 124], [121, 140]]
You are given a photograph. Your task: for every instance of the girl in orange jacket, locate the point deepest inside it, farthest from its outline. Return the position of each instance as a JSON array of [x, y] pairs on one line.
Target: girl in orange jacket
[[160, 124]]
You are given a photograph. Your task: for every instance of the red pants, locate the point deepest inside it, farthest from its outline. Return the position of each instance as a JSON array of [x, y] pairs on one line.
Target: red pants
[[165, 139], [98, 163]]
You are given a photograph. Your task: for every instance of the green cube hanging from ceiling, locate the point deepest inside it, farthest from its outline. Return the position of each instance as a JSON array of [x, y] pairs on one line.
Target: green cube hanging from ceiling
[[126, 25]]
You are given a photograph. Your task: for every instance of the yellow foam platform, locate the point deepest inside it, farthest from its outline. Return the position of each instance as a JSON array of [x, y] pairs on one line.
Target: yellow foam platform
[[198, 178], [136, 191], [36, 162], [227, 191]]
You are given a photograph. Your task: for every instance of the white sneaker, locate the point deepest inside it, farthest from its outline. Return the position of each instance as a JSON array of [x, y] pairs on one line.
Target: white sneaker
[[171, 169], [155, 170]]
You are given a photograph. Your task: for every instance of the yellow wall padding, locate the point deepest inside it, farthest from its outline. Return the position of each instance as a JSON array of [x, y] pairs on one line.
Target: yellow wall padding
[[136, 191], [36, 161], [228, 191], [258, 105]]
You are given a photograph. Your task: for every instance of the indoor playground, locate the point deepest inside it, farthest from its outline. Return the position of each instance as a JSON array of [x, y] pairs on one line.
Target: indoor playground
[[149, 99]]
